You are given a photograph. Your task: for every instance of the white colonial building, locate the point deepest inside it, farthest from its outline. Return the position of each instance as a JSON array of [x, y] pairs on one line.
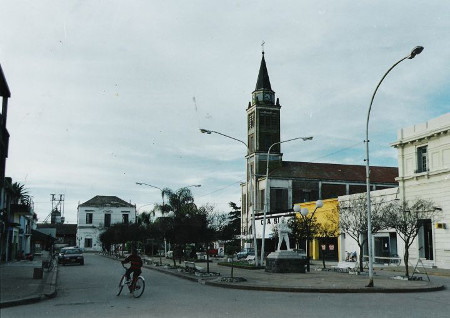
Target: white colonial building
[[99, 213], [424, 172]]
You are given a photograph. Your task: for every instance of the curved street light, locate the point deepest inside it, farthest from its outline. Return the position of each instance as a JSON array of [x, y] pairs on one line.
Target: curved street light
[[209, 132], [267, 192], [415, 51]]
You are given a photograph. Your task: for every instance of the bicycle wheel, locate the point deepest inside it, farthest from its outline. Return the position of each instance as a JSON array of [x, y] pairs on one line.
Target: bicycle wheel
[[48, 266], [139, 287], [121, 283]]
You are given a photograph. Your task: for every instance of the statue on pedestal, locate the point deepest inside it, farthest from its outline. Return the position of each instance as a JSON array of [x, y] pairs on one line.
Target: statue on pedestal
[[283, 231]]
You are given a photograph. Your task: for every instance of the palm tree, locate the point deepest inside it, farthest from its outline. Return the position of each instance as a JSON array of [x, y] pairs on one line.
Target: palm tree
[[19, 194], [179, 202]]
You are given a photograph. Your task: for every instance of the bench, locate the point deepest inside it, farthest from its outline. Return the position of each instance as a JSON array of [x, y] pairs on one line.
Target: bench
[[192, 267]]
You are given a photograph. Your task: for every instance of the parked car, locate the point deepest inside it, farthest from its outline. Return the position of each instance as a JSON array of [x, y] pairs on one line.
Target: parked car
[[72, 255], [245, 252], [61, 254]]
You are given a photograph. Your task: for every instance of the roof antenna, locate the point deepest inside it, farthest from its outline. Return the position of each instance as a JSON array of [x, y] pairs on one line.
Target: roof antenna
[[262, 46]]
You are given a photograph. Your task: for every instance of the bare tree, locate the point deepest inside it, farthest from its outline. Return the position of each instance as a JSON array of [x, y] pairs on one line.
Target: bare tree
[[353, 220], [406, 218]]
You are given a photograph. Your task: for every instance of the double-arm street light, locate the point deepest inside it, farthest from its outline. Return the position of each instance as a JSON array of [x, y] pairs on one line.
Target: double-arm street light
[[267, 192], [415, 51], [304, 213], [209, 132]]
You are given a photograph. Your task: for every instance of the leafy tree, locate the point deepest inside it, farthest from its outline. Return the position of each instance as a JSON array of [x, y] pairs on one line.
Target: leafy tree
[[406, 218], [121, 233], [232, 224], [303, 228], [353, 220]]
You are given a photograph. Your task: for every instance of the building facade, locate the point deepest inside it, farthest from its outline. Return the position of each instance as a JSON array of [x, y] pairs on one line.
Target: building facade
[[5, 217], [96, 215], [424, 172]]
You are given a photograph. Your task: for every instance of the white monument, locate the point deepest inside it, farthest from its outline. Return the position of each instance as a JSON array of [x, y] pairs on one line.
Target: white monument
[[283, 234], [285, 261]]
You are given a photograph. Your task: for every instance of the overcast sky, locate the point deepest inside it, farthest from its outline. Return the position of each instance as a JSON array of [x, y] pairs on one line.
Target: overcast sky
[[107, 93]]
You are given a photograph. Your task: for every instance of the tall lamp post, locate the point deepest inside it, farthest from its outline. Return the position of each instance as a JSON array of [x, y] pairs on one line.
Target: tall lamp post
[[304, 213], [415, 51], [209, 132], [162, 196], [267, 192]]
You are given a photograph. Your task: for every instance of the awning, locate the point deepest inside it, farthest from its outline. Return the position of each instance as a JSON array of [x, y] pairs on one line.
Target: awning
[[39, 236]]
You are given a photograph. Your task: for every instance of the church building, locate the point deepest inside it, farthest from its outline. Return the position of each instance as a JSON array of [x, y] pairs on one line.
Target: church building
[[290, 182]]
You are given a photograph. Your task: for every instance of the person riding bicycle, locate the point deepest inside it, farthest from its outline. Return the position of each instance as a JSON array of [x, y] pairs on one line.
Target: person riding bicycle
[[135, 265]]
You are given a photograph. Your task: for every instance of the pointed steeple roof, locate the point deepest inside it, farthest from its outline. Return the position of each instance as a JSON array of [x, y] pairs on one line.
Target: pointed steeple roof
[[263, 81]]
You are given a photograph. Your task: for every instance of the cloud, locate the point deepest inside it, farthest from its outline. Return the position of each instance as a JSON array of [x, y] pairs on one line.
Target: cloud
[[102, 95]]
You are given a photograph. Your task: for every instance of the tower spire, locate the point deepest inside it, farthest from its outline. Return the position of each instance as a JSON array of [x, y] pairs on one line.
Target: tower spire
[[263, 81]]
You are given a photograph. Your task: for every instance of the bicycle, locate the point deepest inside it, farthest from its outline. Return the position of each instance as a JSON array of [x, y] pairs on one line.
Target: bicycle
[[137, 285], [49, 264]]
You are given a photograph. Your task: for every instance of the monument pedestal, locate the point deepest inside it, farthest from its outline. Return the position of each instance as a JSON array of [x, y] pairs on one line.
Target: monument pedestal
[[285, 262]]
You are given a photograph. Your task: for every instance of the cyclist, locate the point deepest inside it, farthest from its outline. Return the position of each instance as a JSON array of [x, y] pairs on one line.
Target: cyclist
[[135, 266]]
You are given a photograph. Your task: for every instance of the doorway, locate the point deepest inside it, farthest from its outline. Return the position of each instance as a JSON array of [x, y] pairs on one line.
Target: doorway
[[426, 240]]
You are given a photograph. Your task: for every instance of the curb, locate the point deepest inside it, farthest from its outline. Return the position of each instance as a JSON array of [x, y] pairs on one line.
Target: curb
[[52, 285], [367, 290], [21, 301]]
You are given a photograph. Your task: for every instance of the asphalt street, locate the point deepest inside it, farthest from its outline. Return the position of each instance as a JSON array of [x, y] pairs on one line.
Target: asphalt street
[[90, 291]]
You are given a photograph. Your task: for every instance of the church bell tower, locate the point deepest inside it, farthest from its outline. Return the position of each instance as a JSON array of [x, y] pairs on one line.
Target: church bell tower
[[263, 124]]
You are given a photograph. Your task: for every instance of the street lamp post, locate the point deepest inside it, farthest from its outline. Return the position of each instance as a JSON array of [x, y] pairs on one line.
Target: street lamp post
[[304, 212], [209, 132], [267, 192], [415, 51]]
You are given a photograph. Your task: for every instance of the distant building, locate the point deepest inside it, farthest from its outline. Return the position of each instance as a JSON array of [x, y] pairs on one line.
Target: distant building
[[99, 213], [64, 234], [290, 182]]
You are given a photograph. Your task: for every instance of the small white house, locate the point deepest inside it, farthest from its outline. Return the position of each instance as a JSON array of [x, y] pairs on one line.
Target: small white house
[[96, 215]]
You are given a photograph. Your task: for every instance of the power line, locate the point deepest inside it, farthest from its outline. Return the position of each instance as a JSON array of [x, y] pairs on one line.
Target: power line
[[219, 189], [338, 151]]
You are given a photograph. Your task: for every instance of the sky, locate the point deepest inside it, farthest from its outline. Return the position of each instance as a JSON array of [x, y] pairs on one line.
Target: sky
[[108, 93]]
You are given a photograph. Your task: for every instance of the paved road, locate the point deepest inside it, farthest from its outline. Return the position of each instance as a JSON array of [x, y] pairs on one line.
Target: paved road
[[89, 291]]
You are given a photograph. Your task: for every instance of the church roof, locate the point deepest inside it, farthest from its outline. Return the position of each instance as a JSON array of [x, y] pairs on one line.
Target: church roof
[[263, 81], [4, 89], [106, 201], [334, 172]]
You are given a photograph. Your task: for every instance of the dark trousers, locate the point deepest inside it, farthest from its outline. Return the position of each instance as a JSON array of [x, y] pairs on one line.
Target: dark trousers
[[136, 273]]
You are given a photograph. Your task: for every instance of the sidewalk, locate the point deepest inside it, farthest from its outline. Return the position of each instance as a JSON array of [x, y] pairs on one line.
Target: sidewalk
[[18, 286], [314, 281]]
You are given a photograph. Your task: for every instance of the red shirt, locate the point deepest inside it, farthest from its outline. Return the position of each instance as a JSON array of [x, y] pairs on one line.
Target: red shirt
[[135, 260]]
